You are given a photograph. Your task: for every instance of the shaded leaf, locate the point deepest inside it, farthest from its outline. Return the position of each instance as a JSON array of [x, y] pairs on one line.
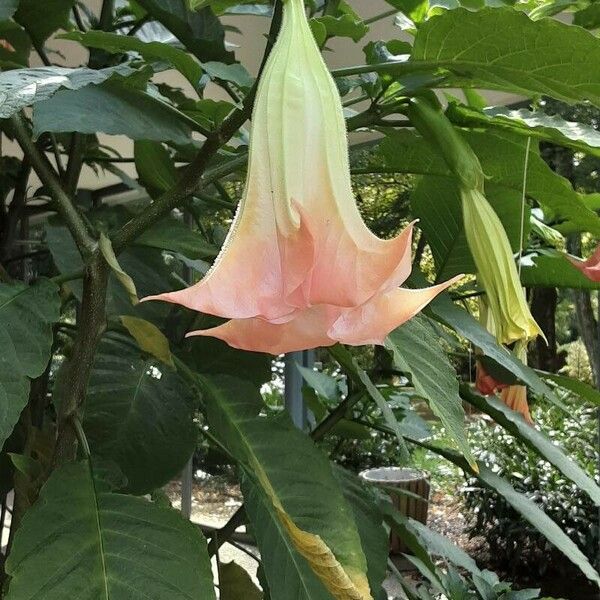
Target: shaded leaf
[[155, 167], [150, 51], [444, 310], [526, 507], [272, 452], [416, 350], [26, 317], [115, 109], [580, 388], [199, 31], [83, 541], [42, 19], [236, 584], [516, 425], [174, 235], [24, 87], [139, 414], [502, 156]]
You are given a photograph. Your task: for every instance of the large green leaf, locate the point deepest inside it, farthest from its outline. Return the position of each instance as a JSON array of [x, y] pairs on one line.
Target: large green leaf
[[151, 51], [536, 124], [580, 388], [417, 351], [114, 108], [139, 414], [200, 32], [80, 540], [444, 310], [369, 521], [42, 19], [26, 317], [554, 270], [503, 49], [502, 156], [24, 87], [274, 454], [524, 506], [514, 423], [288, 573]]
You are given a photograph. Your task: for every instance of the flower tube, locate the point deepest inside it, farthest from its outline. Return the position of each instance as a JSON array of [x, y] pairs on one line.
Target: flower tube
[[299, 267]]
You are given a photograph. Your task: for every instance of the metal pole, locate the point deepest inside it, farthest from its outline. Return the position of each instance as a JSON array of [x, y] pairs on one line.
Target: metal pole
[[293, 400], [187, 476]]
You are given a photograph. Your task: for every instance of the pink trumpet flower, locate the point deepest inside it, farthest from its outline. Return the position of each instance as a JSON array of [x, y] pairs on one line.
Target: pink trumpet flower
[[590, 267], [299, 268]]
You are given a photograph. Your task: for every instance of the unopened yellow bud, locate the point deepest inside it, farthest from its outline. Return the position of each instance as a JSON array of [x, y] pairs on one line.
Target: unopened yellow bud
[[511, 318]]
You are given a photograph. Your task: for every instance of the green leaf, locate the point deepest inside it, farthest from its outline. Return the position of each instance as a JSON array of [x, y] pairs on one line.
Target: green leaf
[[492, 49], [554, 270], [24, 87], [580, 388], [113, 108], [588, 17], [287, 572], [416, 350], [42, 19], [149, 338], [155, 167], [274, 454], [235, 73], [26, 317], [444, 310], [362, 380], [111, 258], [369, 521], [514, 423], [139, 414], [343, 26], [150, 51], [80, 540], [236, 584], [174, 235], [200, 32], [502, 156], [7, 9], [537, 124], [526, 507]]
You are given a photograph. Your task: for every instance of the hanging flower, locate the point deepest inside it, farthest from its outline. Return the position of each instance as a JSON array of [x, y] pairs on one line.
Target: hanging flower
[[509, 317], [515, 397], [299, 267], [485, 383], [590, 267]]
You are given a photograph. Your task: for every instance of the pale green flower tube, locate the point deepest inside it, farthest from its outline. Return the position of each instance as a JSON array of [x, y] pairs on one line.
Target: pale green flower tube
[[511, 318]]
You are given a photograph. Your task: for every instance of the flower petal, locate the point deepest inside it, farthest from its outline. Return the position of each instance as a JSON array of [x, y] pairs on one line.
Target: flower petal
[[515, 397], [307, 330], [590, 267], [373, 321]]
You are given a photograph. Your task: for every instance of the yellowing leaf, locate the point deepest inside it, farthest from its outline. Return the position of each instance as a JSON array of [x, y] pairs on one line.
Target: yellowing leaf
[[235, 583], [110, 257], [149, 338]]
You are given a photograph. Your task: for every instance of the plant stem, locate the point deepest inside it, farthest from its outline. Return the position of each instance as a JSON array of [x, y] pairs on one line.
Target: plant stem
[[383, 15], [91, 323], [85, 242]]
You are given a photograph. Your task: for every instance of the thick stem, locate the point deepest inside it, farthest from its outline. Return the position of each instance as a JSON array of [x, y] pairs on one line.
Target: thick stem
[[91, 323]]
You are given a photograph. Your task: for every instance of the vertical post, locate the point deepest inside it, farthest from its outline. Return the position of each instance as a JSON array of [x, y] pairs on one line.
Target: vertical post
[[294, 402], [187, 476]]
